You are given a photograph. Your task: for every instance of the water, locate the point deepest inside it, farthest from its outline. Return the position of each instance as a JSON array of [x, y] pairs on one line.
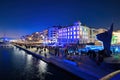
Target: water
[[16, 64]]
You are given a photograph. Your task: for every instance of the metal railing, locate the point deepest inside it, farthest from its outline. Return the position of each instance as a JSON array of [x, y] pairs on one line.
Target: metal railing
[[109, 76]]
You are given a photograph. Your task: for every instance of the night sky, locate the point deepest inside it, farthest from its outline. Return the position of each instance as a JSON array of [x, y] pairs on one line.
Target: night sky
[[21, 17]]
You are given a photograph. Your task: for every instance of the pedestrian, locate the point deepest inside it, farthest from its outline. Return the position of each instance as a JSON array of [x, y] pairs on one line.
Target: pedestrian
[[66, 52], [40, 51], [55, 51], [58, 51], [37, 48], [45, 55]]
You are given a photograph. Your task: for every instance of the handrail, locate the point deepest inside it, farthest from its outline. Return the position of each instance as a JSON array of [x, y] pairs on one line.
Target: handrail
[[109, 76]]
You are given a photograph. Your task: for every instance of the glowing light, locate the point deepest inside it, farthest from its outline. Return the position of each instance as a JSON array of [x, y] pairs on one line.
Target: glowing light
[[29, 58], [37, 32], [116, 50], [74, 28], [74, 32], [42, 67], [68, 37], [74, 37]]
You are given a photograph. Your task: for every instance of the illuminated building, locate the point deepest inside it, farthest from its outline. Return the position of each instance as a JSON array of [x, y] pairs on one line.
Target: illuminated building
[[74, 34], [38, 37], [35, 36], [28, 38], [92, 35], [85, 34], [98, 31], [53, 34], [63, 35], [44, 36], [116, 37]]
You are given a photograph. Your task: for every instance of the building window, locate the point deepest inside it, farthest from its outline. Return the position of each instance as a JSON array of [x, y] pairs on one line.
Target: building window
[[68, 29], [68, 37], [74, 28], [74, 32], [74, 37]]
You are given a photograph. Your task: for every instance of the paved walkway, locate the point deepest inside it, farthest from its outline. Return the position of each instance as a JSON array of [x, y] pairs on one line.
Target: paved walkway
[[87, 68], [86, 65]]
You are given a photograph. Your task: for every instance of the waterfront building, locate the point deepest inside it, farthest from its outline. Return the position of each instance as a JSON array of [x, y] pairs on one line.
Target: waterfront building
[[28, 38], [36, 36], [116, 37], [74, 34], [92, 35], [68, 34], [44, 36], [63, 35], [53, 35], [85, 35], [98, 31]]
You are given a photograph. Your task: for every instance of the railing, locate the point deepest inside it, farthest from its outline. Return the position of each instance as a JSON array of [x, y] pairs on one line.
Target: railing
[[109, 76]]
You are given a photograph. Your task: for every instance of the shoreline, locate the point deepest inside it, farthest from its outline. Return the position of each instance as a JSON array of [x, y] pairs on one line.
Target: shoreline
[[80, 74]]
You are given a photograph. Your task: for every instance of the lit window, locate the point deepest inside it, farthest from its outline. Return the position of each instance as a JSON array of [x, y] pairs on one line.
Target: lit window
[[81, 29], [71, 37], [74, 32], [74, 28], [74, 37], [77, 36], [71, 33], [71, 29], [68, 37]]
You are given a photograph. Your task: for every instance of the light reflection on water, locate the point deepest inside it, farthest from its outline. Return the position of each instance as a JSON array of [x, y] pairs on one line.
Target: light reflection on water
[[29, 59], [42, 66], [16, 64]]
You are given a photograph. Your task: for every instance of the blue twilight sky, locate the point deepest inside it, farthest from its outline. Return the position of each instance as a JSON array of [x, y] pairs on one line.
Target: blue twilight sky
[[21, 17]]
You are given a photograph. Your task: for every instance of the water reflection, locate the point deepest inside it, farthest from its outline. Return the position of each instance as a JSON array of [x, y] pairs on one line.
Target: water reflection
[[42, 66], [16, 64], [42, 69], [29, 59]]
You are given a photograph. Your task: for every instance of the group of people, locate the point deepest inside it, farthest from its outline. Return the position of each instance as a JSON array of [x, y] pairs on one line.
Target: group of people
[[99, 56], [39, 49]]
